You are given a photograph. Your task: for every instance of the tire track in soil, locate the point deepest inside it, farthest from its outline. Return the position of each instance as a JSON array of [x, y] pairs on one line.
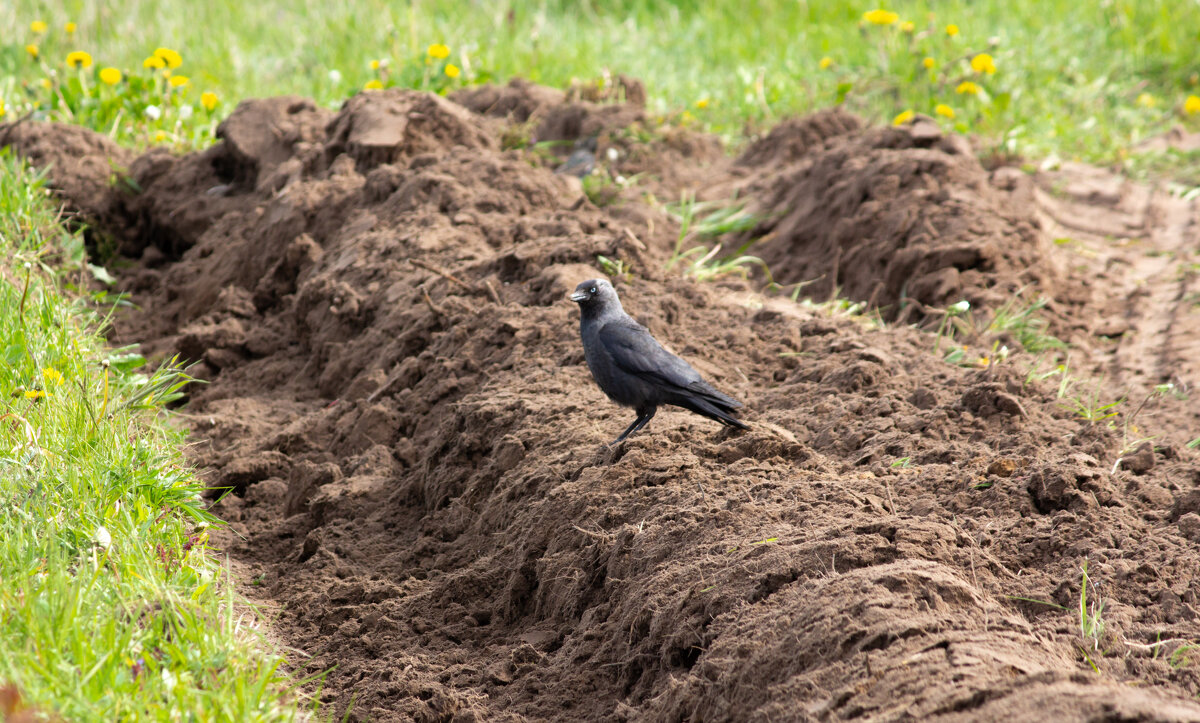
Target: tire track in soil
[[1138, 246]]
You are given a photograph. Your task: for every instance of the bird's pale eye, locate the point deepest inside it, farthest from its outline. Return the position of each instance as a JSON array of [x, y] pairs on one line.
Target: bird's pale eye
[[592, 290]]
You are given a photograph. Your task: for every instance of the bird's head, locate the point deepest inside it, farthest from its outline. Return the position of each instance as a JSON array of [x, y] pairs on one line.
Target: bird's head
[[595, 295]]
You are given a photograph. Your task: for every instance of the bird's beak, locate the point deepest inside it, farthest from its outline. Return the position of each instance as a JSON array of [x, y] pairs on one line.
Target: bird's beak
[[579, 296]]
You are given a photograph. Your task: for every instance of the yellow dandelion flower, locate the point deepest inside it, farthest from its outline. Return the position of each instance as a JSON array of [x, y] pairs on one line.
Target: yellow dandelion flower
[[928, 62], [34, 394], [826, 63], [1146, 100], [880, 17], [32, 50], [79, 59], [160, 136], [908, 26], [903, 118], [967, 88], [983, 63], [1191, 106], [373, 85], [452, 70], [3, 110], [702, 103], [944, 110], [170, 57], [70, 28], [154, 62], [46, 83], [38, 26], [952, 30], [374, 65], [111, 76], [178, 81], [439, 51], [209, 100], [52, 375]]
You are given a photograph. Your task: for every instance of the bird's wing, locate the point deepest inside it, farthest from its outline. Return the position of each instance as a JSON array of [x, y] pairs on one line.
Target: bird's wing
[[635, 351]]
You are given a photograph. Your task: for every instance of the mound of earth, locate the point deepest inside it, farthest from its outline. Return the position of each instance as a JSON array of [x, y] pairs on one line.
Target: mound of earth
[[399, 400], [83, 166], [902, 217]]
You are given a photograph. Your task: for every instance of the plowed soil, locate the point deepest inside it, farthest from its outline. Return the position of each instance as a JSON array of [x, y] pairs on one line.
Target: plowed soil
[[422, 491]]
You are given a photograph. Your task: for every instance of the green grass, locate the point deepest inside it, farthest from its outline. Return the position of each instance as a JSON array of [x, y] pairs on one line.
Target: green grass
[[1087, 405], [1091, 611], [1024, 321], [111, 606], [1067, 81], [1018, 320], [708, 221]]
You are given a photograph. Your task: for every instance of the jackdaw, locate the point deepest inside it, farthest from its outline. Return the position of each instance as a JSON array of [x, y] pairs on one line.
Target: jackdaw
[[634, 370], [582, 160]]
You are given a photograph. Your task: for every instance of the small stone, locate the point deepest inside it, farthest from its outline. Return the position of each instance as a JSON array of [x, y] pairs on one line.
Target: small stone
[[924, 130], [878, 356], [764, 315], [1006, 402], [1111, 327], [1141, 461], [1002, 467]]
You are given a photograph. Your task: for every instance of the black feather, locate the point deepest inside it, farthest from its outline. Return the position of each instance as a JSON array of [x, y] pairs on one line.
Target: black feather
[[582, 160]]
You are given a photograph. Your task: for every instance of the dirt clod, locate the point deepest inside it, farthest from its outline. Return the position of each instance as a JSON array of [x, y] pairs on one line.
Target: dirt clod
[[1002, 467], [1141, 460]]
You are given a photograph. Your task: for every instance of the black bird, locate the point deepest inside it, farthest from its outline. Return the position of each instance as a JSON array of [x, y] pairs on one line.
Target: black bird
[[582, 160], [634, 370]]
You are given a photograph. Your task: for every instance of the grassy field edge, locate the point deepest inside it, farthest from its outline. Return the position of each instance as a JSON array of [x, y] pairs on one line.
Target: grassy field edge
[[112, 606], [1088, 82]]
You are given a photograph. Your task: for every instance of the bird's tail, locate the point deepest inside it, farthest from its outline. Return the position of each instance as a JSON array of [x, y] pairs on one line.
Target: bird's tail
[[715, 409]]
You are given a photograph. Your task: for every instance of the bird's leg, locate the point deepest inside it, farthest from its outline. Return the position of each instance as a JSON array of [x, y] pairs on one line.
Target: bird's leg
[[644, 416], [628, 431]]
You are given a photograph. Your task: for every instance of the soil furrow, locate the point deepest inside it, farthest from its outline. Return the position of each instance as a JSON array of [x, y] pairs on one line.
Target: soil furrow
[[398, 399]]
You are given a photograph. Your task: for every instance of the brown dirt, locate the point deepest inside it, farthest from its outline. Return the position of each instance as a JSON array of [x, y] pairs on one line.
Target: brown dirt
[[891, 216], [1137, 246], [82, 165], [399, 399]]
